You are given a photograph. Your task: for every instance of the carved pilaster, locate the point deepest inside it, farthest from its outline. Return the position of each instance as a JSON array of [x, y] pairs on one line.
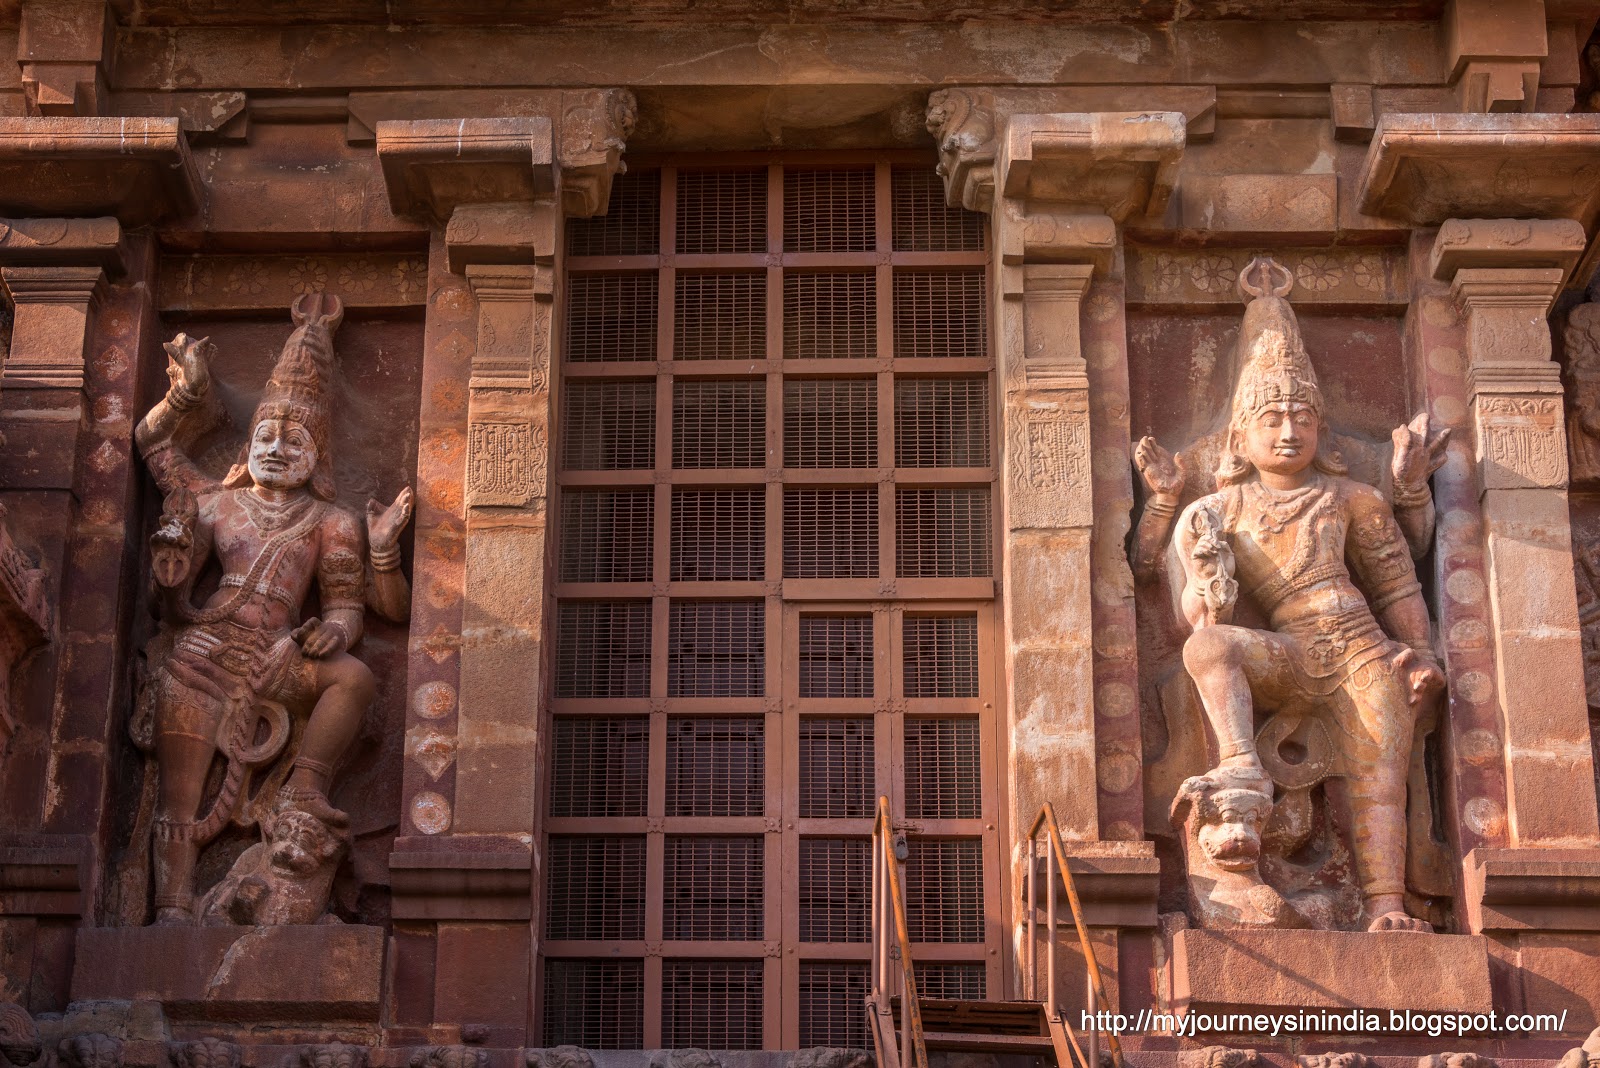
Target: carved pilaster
[[1505, 276]]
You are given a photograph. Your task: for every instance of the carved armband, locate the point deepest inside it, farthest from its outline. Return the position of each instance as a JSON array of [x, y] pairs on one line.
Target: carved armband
[[341, 576], [1384, 560]]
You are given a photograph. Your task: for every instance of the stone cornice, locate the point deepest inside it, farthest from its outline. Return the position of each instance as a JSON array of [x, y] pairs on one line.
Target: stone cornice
[[136, 169], [1425, 169]]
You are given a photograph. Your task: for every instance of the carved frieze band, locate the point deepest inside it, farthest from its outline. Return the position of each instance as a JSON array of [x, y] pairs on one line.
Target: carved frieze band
[[269, 283], [505, 463], [1210, 276], [507, 421], [1521, 429]]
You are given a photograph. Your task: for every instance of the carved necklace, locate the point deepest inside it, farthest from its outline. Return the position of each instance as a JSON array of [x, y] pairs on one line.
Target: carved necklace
[[1277, 509], [268, 516]]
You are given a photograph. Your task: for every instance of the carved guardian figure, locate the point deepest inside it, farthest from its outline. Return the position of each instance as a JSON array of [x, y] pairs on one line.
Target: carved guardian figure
[[1305, 608], [244, 679]]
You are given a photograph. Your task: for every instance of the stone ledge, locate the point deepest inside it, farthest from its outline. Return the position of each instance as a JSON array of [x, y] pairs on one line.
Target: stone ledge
[[1266, 971], [473, 880], [328, 972], [136, 169], [1533, 889]]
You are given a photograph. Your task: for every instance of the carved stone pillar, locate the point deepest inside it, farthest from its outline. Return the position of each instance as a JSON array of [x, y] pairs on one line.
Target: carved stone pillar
[[1057, 186], [466, 882], [1498, 275]]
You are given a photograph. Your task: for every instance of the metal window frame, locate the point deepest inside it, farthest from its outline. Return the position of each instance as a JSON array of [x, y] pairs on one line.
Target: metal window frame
[[886, 596]]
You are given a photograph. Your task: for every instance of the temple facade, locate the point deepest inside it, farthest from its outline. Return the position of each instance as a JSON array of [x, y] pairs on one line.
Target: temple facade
[[741, 533]]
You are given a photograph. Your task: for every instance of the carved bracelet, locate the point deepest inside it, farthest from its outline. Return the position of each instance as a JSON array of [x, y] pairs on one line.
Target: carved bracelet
[[1406, 496], [385, 559]]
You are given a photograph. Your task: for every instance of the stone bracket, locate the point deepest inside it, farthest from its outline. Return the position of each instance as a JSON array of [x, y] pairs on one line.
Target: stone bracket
[[1495, 50], [430, 166], [1503, 244], [63, 243], [1124, 164]]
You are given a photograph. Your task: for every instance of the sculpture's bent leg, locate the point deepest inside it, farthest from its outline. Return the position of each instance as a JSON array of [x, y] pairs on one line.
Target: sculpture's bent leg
[[1229, 665], [345, 687]]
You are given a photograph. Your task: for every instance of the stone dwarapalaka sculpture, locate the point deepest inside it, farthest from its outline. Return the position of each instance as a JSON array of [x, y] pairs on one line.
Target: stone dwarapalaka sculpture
[[244, 663], [1306, 611]]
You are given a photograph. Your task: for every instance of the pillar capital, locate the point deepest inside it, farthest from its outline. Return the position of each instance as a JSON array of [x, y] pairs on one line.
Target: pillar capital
[[54, 315]]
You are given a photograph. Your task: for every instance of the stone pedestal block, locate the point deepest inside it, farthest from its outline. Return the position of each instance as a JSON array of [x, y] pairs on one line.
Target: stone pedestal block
[[1279, 971], [326, 972]]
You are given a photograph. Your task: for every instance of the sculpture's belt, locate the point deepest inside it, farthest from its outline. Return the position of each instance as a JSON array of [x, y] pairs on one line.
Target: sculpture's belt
[[276, 593]]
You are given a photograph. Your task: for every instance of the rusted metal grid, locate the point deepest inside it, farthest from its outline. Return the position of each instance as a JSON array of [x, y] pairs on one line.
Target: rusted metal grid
[[775, 574]]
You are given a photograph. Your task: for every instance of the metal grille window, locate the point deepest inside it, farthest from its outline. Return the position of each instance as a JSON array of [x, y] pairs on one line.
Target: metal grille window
[[611, 317], [603, 649], [773, 597], [941, 422], [711, 1004], [716, 766], [835, 889], [609, 425], [714, 889], [828, 210], [829, 315], [722, 210], [595, 888], [721, 317], [955, 982], [833, 1004], [719, 423], [924, 221], [940, 314], [944, 890], [716, 649], [941, 656], [836, 656], [830, 533], [631, 225], [830, 422], [596, 1004], [942, 533], [606, 535], [837, 775], [942, 768], [598, 766], [718, 535]]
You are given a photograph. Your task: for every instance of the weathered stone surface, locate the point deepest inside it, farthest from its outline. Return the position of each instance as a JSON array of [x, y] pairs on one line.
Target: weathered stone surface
[[1248, 971], [230, 973]]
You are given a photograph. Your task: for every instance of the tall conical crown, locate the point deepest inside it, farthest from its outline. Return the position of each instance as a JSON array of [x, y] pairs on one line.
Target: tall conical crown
[[1273, 365], [301, 385]]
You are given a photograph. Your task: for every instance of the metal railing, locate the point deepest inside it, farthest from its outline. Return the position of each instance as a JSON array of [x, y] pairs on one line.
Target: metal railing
[[888, 902], [1055, 859]]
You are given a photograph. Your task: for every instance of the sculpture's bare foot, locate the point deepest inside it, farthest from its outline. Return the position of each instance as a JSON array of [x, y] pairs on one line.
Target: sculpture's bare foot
[[1400, 921], [172, 916]]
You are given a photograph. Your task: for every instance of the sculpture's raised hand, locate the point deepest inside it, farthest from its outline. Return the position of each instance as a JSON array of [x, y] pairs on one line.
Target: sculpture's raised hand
[[385, 524], [1162, 471], [1417, 454], [189, 363]]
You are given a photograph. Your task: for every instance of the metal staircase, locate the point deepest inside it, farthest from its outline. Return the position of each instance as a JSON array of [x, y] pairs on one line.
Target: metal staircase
[[905, 1026]]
